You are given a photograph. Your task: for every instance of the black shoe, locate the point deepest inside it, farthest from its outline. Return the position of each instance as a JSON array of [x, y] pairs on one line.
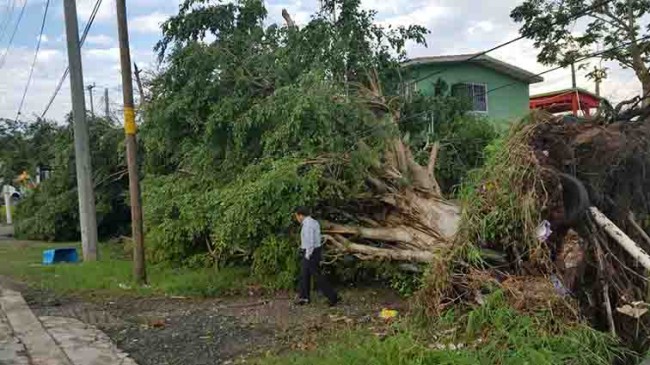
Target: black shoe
[[301, 301]]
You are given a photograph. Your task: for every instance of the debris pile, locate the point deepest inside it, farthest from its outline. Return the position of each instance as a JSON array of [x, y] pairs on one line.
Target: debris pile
[[559, 216]]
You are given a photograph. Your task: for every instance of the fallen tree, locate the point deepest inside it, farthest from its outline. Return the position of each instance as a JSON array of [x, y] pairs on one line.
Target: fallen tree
[[286, 117]]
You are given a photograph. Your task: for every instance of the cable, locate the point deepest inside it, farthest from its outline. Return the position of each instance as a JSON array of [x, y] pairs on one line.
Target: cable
[[592, 55], [11, 7], [89, 24], [13, 34], [31, 70], [477, 55]]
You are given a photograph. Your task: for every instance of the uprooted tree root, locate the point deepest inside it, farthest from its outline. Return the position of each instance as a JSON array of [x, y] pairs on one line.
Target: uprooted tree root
[[578, 272]]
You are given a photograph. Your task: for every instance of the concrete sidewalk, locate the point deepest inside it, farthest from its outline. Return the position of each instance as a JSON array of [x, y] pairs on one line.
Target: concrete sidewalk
[[28, 340]]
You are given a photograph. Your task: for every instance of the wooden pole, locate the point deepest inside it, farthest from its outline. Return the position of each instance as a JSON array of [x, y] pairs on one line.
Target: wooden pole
[[107, 111], [130, 128]]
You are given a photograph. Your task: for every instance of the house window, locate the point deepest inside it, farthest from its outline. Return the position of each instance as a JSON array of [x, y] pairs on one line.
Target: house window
[[476, 94]]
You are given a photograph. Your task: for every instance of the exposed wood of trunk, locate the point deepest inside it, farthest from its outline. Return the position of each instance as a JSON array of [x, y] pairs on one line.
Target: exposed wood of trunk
[[368, 252], [620, 237]]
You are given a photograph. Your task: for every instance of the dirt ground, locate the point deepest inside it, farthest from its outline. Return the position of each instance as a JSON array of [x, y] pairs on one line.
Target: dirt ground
[[176, 330]]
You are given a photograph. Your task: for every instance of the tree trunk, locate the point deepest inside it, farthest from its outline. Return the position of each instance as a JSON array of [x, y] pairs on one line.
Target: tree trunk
[[411, 221]]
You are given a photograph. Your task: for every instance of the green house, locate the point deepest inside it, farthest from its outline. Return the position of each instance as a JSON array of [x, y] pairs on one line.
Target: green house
[[494, 88]]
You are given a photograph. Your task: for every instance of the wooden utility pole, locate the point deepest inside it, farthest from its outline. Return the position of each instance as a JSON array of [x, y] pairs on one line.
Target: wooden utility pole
[[130, 129], [90, 94], [87, 218], [107, 111]]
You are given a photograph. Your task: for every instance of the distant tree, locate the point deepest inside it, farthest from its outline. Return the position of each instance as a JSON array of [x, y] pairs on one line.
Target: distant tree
[[615, 24]]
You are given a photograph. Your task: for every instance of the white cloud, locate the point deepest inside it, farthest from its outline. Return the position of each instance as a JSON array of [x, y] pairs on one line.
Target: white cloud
[[99, 40], [44, 38], [424, 16], [106, 11], [149, 23], [484, 26], [457, 26]]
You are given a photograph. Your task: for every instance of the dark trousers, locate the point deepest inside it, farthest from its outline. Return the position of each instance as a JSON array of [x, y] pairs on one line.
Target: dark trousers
[[310, 268]]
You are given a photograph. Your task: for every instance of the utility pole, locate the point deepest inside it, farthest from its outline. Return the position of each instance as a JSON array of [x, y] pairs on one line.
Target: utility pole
[[92, 104], [7, 196], [130, 130], [107, 111], [87, 218], [574, 84]]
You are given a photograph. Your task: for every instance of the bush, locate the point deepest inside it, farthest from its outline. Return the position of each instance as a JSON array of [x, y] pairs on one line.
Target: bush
[[50, 211]]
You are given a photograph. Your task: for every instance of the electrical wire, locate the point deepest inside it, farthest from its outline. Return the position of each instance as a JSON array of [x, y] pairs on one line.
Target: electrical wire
[[11, 7], [483, 53], [31, 70], [592, 55], [412, 118], [89, 24], [13, 35]]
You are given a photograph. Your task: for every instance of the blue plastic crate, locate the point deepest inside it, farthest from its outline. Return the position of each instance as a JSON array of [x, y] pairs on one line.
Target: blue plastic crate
[[57, 255]]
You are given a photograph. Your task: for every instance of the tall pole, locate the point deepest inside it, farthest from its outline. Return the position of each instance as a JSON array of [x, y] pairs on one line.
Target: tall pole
[[574, 84], [87, 218], [107, 111], [130, 129], [90, 94], [7, 196]]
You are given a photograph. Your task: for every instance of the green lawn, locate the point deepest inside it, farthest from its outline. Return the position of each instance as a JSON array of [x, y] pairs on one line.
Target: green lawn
[[112, 273]]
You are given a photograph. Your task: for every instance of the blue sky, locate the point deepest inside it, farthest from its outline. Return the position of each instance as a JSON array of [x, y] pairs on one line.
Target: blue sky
[[457, 26]]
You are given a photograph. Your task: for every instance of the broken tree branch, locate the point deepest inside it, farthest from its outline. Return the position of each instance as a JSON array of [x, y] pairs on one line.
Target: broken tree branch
[[638, 228], [605, 286], [287, 18], [620, 237]]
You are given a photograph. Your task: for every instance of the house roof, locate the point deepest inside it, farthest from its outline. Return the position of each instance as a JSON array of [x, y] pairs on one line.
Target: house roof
[[484, 60], [566, 91]]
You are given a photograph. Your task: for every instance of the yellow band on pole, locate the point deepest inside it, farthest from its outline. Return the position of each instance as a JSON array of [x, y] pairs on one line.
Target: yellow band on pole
[[129, 121]]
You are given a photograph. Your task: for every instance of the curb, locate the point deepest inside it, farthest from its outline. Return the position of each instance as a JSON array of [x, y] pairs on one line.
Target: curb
[[41, 347]]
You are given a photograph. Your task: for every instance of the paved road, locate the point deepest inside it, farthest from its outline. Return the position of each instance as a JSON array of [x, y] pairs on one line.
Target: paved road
[[29, 340]]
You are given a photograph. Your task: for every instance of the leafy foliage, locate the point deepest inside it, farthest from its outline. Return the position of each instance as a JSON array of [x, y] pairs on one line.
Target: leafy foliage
[[50, 211], [614, 25], [23, 146], [257, 121]]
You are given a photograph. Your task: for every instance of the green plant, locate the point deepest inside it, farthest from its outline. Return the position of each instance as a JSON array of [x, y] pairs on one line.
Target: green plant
[[490, 334], [50, 210], [275, 262]]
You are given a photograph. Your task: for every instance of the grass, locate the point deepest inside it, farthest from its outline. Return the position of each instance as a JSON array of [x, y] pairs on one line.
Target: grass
[[491, 334], [112, 274]]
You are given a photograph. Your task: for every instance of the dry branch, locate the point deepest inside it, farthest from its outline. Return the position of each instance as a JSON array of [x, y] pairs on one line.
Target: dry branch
[[620, 237]]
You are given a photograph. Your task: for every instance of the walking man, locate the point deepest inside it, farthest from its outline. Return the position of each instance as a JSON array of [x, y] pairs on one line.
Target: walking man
[[310, 252]]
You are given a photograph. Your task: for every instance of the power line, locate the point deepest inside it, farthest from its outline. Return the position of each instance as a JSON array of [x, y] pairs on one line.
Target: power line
[[11, 7], [13, 34], [477, 55], [31, 70], [592, 55], [89, 24]]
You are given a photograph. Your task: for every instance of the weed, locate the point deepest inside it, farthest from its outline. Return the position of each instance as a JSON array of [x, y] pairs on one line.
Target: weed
[[491, 334]]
